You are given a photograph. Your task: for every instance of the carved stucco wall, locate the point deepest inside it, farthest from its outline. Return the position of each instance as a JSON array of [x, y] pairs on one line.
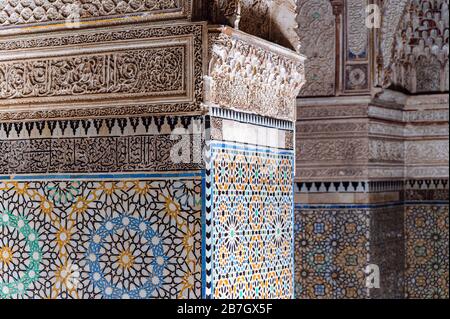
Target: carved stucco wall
[[317, 37], [35, 14], [250, 79]]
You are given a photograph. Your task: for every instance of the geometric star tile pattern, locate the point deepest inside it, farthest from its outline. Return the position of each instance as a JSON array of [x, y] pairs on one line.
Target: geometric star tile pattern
[[331, 252], [100, 239], [252, 233], [427, 251]]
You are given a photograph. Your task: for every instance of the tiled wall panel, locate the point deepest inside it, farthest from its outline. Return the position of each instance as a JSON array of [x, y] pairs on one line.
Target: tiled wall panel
[[427, 251], [101, 237], [249, 223]]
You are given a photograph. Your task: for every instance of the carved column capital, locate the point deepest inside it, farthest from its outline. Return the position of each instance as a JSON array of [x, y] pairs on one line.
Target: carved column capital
[[253, 75]]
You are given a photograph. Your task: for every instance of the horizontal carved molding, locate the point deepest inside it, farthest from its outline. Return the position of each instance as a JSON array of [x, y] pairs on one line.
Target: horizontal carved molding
[[134, 144], [99, 154], [144, 72], [88, 111], [24, 16], [366, 186], [159, 64]]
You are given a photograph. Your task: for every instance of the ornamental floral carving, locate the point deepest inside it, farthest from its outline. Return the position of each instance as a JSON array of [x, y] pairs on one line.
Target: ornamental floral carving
[[187, 85], [149, 71], [253, 79], [317, 38], [16, 12]]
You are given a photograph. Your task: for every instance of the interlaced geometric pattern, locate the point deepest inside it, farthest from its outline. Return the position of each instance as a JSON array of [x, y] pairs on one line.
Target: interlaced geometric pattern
[[100, 239], [331, 253], [252, 233], [427, 251]]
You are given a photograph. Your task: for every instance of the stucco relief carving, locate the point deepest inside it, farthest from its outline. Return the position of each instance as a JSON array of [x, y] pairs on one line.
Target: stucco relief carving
[[355, 149], [336, 111], [387, 172], [151, 71], [335, 173], [392, 13], [251, 78], [17, 12], [383, 129], [331, 128], [317, 37], [426, 172], [420, 50], [97, 111], [403, 139], [255, 17], [357, 38], [427, 151], [419, 131], [387, 151], [226, 12]]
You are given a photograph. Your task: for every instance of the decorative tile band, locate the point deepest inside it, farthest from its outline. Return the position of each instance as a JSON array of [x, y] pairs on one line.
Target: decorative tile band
[[122, 176], [328, 187], [134, 144], [85, 155], [97, 126], [368, 206], [371, 186]]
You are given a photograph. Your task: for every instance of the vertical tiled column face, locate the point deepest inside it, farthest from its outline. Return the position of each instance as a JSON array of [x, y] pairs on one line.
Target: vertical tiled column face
[[251, 89], [427, 240], [251, 193], [387, 250], [337, 246], [331, 252], [100, 182]]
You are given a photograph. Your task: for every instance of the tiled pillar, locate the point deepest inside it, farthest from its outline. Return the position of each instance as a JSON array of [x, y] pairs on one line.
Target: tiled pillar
[[249, 219], [372, 190]]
